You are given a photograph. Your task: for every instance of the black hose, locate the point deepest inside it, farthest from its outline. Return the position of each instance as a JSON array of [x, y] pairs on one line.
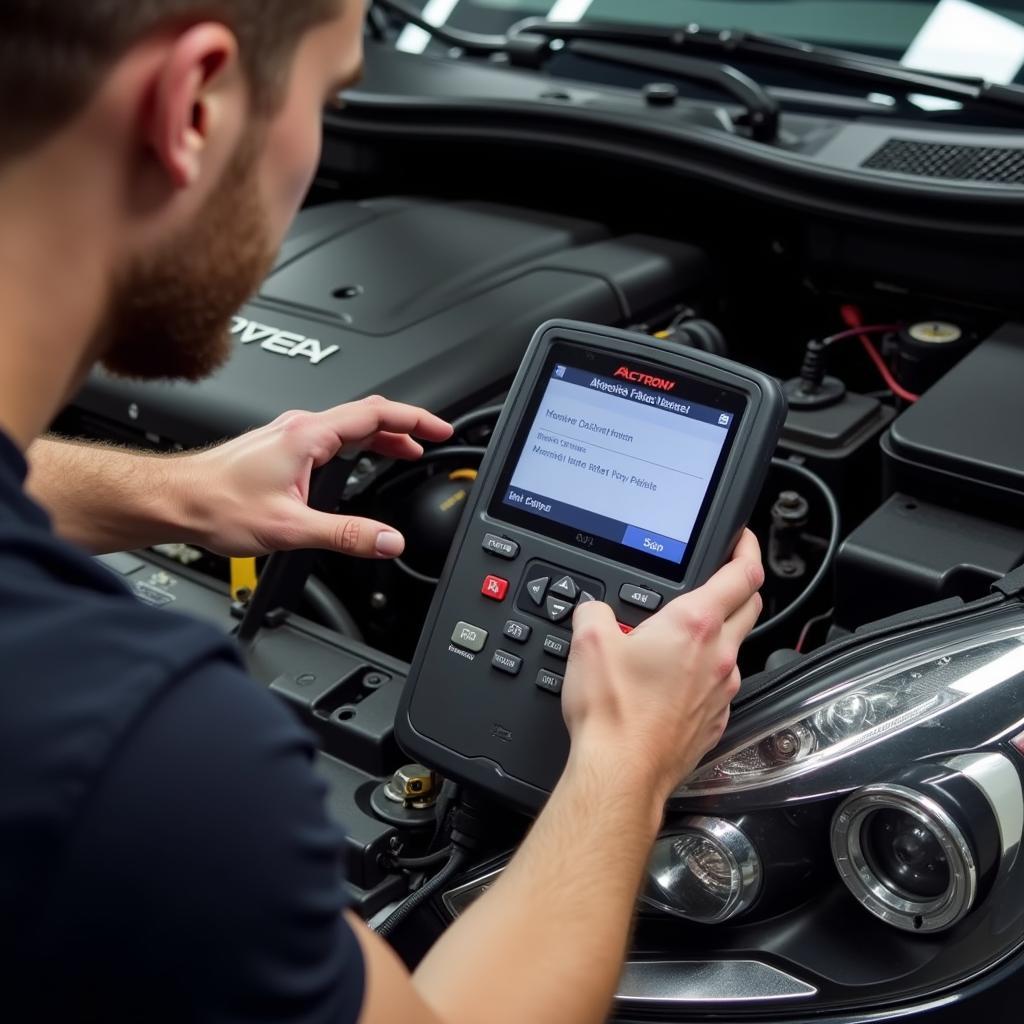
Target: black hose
[[830, 552], [415, 574], [471, 419], [430, 860], [327, 607], [456, 451], [429, 888]]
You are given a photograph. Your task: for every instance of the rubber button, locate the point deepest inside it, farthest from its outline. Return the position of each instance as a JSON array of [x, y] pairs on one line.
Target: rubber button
[[550, 681], [566, 587], [500, 546], [639, 596], [469, 637], [495, 588], [505, 662], [538, 588], [518, 631], [556, 610], [556, 646]]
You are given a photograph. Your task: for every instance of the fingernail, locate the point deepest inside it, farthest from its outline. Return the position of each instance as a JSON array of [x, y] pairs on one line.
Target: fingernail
[[389, 544]]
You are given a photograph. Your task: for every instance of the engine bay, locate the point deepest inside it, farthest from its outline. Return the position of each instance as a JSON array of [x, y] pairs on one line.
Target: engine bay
[[924, 510], [419, 269]]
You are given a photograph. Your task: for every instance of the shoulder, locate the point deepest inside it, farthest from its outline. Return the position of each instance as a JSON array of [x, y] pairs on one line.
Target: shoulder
[[205, 853]]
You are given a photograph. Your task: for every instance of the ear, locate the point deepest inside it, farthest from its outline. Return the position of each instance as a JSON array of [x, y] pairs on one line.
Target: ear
[[198, 99]]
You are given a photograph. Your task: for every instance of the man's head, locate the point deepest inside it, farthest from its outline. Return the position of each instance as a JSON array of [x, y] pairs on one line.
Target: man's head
[[197, 125]]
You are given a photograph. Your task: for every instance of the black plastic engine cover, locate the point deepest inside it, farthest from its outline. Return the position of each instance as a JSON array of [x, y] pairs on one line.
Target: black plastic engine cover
[[960, 444], [426, 302]]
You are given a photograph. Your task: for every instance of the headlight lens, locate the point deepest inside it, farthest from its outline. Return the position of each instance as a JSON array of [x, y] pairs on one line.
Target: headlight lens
[[904, 858], [864, 710], [708, 871], [906, 854]]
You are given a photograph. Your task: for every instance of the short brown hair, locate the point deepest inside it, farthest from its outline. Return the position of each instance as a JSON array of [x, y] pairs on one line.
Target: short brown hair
[[54, 53]]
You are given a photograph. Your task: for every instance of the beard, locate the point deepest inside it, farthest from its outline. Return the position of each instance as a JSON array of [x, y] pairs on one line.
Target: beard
[[170, 312]]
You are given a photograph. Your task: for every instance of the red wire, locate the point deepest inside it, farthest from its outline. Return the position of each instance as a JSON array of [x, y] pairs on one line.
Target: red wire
[[891, 382], [808, 626], [803, 637], [856, 332], [852, 316]]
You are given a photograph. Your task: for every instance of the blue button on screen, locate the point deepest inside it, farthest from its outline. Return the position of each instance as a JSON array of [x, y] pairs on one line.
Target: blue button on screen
[[654, 544]]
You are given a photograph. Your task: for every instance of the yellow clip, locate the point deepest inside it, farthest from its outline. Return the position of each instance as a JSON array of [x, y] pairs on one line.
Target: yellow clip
[[243, 578], [663, 334], [462, 474]]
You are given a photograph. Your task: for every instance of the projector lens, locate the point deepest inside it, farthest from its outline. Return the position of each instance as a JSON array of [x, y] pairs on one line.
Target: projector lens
[[906, 854], [904, 857]]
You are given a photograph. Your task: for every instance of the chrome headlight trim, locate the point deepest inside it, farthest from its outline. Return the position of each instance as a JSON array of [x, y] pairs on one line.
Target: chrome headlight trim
[[871, 891], [848, 712], [744, 862]]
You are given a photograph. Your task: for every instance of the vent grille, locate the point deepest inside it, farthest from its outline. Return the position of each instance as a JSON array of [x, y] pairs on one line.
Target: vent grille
[[960, 163]]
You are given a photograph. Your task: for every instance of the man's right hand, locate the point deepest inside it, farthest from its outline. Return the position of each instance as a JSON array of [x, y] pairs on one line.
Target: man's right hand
[[656, 701]]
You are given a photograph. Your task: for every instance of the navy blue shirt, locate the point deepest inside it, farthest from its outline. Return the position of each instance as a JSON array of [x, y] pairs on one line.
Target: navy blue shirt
[[164, 848]]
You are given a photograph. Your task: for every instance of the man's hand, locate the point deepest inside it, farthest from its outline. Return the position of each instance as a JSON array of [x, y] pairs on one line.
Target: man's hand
[[642, 710], [245, 497], [248, 496], [658, 699]]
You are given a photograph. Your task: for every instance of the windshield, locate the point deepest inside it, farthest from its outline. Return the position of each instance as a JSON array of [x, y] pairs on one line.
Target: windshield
[[953, 36]]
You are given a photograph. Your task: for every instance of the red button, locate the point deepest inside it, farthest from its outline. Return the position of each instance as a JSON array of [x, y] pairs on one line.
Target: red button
[[625, 628], [494, 587]]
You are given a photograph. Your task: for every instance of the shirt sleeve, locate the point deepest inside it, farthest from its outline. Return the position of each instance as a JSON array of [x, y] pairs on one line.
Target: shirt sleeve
[[203, 880]]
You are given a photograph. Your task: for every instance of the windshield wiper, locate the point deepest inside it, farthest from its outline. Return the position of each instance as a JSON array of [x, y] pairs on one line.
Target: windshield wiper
[[776, 51], [534, 41], [525, 49], [762, 111]]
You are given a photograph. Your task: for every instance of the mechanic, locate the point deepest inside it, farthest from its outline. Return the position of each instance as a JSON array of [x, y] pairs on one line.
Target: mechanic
[[165, 853]]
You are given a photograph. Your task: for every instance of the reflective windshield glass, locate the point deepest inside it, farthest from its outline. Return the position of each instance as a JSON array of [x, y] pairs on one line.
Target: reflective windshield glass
[[953, 36]]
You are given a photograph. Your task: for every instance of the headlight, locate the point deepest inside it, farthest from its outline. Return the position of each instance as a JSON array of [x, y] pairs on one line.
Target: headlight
[[848, 716], [916, 851], [707, 871], [889, 768]]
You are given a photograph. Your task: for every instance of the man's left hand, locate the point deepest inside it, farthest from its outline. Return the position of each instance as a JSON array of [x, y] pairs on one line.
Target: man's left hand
[[249, 496]]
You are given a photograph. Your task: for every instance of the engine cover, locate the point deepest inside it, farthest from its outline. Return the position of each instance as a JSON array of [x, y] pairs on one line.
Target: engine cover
[[426, 302]]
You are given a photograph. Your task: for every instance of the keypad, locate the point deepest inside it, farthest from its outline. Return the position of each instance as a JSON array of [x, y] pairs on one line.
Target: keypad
[[553, 594], [549, 593]]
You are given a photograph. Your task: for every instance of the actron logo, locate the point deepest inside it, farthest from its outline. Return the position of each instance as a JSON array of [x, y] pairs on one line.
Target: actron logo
[[638, 377]]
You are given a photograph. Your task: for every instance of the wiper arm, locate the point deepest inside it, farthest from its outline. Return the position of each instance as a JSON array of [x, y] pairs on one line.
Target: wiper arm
[[762, 110], [471, 42], [773, 50]]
